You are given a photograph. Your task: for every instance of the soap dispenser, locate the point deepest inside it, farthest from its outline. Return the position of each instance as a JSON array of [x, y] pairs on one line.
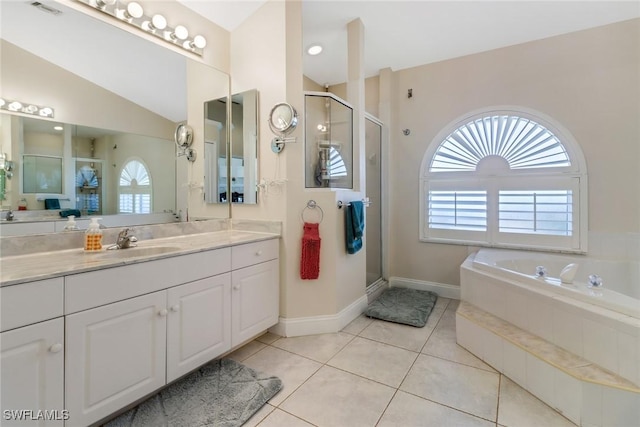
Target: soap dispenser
[[93, 236], [71, 224]]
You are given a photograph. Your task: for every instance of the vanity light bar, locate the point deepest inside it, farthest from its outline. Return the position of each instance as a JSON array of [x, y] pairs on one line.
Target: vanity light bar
[[133, 14], [26, 108]]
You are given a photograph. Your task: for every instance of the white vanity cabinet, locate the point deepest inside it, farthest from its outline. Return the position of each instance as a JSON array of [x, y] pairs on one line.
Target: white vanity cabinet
[[255, 291], [32, 354], [32, 378], [115, 355], [199, 323], [132, 329]]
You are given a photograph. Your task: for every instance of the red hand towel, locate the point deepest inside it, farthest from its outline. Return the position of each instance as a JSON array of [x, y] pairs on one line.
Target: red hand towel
[[310, 257]]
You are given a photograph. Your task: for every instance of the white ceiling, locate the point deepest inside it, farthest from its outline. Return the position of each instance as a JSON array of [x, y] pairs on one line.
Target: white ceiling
[[402, 34]]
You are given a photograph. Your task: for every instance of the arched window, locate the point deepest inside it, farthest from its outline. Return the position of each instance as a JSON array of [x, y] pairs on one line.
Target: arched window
[[504, 178], [134, 189]]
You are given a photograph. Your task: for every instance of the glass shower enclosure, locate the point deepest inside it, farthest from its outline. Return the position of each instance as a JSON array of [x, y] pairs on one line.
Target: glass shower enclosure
[[329, 141]]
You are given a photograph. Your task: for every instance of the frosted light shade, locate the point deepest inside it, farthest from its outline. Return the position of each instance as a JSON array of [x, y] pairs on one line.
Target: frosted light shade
[[134, 10], [159, 22], [15, 106], [181, 32], [199, 41]]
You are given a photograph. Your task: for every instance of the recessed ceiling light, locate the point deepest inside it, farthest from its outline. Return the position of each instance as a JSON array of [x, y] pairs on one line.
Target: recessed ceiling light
[[314, 49], [58, 128]]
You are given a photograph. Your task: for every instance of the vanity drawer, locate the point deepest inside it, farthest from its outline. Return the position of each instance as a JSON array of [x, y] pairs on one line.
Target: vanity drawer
[[254, 253], [32, 302], [100, 287]]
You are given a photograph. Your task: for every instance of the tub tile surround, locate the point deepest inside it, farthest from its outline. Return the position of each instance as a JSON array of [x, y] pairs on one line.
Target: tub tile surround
[[580, 390], [28, 258], [596, 334]]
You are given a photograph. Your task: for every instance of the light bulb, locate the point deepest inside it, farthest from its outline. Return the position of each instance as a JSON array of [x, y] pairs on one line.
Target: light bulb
[[180, 33], [2, 102], [46, 112], [30, 109], [314, 50], [200, 42], [134, 10], [101, 4], [15, 106], [158, 22], [58, 128]]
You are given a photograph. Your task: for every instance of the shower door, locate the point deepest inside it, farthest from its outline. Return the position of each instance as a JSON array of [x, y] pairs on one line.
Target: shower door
[[373, 229]]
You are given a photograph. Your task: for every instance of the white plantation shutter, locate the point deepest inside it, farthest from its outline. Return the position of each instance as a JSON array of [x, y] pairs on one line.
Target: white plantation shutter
[[502, 180], [458, 210], [523, 143], [134, 191]]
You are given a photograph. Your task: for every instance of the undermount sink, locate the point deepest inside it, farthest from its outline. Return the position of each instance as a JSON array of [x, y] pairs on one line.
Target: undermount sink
[[139, 251]]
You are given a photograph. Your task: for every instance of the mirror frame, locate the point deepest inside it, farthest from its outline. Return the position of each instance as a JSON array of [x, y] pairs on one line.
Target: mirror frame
[[276, 116]]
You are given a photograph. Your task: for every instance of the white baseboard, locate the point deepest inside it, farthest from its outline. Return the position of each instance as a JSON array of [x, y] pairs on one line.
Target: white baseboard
[[442, 289], [296, 327]]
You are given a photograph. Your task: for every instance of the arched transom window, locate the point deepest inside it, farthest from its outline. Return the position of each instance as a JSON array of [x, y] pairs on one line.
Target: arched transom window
[[134, 189], [504, 178]]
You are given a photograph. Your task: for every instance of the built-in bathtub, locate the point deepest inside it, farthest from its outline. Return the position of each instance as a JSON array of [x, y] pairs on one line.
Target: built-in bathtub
[[620, 289], [506, 309]]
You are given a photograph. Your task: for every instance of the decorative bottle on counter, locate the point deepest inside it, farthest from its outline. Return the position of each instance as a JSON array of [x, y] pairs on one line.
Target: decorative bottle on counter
[[93, 236], [71, 224]]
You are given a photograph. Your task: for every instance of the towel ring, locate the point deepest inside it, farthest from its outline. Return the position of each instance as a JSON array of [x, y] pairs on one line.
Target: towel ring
[[311, 205]]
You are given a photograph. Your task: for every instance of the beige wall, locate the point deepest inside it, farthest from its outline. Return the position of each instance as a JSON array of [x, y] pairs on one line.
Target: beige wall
[[587, 81]]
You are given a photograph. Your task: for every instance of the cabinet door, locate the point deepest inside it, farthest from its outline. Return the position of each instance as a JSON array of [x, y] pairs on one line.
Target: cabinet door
[[31, 366], [255, 300], [199, 323], [115, 355]]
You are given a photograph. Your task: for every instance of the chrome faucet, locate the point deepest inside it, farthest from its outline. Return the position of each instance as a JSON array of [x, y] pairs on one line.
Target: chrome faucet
[[9, 215], [124, 239]]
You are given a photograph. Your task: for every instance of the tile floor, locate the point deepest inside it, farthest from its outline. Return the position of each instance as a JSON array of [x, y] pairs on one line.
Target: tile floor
[[376, 373]]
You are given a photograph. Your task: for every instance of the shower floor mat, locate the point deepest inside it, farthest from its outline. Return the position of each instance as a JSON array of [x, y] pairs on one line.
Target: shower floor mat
[[403, 305], [222, 393]]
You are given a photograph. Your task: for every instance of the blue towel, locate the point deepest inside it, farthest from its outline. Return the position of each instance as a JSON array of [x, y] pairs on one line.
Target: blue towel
[[354, 226]]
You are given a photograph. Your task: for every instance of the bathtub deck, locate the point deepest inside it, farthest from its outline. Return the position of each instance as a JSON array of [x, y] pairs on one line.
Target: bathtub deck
[[582, 391]]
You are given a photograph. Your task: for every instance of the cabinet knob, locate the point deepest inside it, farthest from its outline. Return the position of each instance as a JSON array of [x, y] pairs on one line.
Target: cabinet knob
[[56, 348], [258, 253], [175, 308], [163, 312]]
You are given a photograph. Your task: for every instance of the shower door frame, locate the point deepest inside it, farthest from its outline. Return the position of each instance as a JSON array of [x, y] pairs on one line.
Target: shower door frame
[[382, 281]]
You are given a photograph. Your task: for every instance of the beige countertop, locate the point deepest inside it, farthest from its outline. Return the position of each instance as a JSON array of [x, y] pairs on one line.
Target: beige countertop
[[46, 265]]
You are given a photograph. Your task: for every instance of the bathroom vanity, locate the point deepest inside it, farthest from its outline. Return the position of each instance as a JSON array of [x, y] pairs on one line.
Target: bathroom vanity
[[93, 333]]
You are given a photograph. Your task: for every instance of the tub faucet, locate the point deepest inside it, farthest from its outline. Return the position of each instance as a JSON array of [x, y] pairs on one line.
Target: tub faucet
[[124, 239], [568, 273]]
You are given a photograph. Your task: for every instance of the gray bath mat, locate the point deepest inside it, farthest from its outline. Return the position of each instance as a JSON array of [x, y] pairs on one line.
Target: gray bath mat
[[403, 305], [223, 393]]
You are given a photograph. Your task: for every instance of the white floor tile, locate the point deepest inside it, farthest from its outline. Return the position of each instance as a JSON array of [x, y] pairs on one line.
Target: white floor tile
[[357, 325], [320, 347], [374, 360], [332, 397], [292, 369], [407, 337], [245, 351], [280, 418], [409, 410], [519, 408], [468, 389]]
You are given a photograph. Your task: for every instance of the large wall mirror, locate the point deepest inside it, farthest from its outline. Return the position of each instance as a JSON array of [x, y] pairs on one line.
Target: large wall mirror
[[231, 176], [117, 99]]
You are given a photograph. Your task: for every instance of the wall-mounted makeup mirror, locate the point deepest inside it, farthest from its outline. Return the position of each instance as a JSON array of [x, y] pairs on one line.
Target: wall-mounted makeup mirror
[[69, 74], [242, 173]]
